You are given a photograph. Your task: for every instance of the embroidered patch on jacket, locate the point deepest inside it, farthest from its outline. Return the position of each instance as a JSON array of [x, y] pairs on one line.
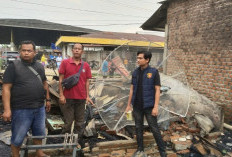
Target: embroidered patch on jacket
[[149, 75], [83, 70]]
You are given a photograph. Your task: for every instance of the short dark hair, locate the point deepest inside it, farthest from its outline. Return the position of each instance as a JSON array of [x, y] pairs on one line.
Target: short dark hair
[[147, 54], [80, 44], [27, 42]]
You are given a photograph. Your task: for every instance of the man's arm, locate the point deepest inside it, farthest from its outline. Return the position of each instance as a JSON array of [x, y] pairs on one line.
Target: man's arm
[[157, 98], [6, 94], [62, 97], [48, 101], [129, 107], [87, 93]]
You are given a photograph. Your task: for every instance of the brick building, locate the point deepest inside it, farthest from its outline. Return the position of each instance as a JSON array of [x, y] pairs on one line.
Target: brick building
[[199, 33]]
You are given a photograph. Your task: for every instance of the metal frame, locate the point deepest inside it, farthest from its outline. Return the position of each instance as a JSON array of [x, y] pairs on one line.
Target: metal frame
[[70, 141]]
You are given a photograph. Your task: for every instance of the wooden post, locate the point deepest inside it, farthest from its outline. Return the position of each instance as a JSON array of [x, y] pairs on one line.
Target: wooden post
[[165, 49]]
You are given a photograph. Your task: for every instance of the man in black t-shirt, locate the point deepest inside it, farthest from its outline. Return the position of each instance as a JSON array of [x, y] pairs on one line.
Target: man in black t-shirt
[[144, 96], [24, 91]]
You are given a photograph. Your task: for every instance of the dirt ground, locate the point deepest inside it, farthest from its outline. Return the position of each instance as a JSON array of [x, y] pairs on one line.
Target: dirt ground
[[4, 149]]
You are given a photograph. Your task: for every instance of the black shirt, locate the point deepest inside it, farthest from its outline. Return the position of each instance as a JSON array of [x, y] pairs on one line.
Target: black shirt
[[139, 93], [138, 103], [27, 91]]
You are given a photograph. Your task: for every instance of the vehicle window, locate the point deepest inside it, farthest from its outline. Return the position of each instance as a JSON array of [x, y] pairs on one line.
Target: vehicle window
[[13, 53], [10, 53], [8, 57]]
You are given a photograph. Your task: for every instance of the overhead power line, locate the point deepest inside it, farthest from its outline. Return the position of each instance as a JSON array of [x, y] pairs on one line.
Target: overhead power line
[[112, 24], [16, 15], [96, 20], [81, 25], [126, 5], [36, 10], [75, 9], [155, 3]]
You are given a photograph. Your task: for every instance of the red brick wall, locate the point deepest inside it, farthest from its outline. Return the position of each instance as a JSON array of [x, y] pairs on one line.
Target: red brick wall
[[200, 34]]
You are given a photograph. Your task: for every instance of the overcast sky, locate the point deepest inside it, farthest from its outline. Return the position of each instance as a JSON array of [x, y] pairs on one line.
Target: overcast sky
[[104, 15]]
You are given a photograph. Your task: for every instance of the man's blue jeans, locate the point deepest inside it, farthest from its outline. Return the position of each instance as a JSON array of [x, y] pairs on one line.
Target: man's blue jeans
[[25, 119], [153, 125]]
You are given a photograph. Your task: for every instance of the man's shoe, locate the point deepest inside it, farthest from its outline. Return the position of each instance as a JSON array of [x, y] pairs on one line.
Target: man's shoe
[[82, 143], [139, 154], [163, 154], [142, 154], [136, 153], [80, 153]]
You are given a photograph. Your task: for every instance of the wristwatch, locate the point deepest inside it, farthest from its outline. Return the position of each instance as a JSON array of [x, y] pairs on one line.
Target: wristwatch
[[49, 99]]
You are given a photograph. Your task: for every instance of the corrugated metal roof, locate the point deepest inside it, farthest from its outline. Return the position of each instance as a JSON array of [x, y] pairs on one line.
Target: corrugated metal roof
[[125, 36], [39, 24], [158, 20], [108, 41]]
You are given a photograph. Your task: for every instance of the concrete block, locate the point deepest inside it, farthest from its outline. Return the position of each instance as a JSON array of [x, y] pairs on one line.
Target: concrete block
[[179, 145], [131, 150], [104, 155], [118, 153], [172, 155]]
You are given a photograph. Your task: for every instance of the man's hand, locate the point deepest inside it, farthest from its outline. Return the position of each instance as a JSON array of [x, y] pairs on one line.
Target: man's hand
[[48, 106], [62, 100], [154, 111], [128, 108], [7, 115], [88, 100]]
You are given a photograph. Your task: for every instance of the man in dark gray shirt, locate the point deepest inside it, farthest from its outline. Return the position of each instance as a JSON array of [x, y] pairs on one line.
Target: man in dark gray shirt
[[24, 91]]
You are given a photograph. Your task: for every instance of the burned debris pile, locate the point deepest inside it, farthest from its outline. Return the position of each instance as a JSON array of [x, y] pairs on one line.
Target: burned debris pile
[[193, 134], [183, 138]]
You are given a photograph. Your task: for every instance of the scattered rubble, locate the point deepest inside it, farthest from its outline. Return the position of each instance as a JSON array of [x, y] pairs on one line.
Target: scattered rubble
[[5, 137], [182, 137], [204, 123], [198, 134]]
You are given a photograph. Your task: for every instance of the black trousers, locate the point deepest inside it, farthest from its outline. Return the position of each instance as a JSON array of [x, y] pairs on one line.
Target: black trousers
[[153, 125], [74, 109]]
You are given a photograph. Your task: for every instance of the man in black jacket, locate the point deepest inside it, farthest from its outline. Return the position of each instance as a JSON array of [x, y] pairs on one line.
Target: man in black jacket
[[144, 96], [24, 92]]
